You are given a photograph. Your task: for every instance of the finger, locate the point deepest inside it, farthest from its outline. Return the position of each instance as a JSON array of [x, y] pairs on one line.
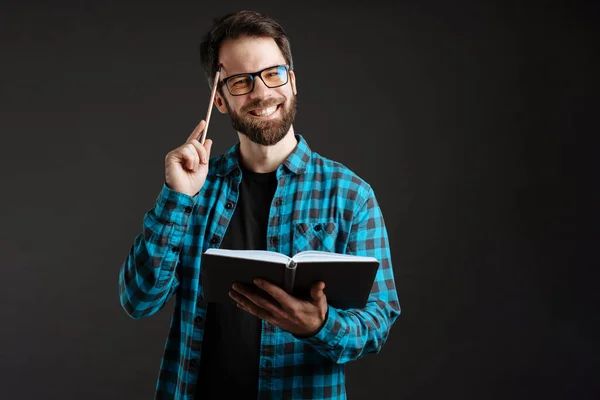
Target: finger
[[200, 150], [191, 157], [316, 291], [276, 292], [208, 146], [247, 305], [197, 132], [241, 302], [257, 313], [257, 299]]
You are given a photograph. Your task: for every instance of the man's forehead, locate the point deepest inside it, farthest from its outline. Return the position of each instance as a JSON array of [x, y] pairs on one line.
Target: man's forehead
[[249, 54]]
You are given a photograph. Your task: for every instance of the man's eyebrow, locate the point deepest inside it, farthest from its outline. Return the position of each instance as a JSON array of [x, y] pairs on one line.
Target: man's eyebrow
[[262, 69]]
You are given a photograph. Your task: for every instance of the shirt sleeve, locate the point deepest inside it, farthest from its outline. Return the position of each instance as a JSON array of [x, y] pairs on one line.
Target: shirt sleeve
[[148, 276], [350, 334]]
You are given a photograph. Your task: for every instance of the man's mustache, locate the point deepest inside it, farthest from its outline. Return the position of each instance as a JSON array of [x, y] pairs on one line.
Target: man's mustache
[[262, 104]]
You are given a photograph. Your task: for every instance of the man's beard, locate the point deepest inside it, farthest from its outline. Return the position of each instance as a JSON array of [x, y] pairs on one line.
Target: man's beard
[[267, 132]]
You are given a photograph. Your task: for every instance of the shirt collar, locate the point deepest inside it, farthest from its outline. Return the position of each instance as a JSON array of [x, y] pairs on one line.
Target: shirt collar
[[296, 162]]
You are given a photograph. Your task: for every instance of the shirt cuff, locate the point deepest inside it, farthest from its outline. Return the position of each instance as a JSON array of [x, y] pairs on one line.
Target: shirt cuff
[[330, 333], [174, 207]]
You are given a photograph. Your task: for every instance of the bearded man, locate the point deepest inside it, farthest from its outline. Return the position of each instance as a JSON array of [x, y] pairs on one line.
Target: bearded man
[[270, 191]]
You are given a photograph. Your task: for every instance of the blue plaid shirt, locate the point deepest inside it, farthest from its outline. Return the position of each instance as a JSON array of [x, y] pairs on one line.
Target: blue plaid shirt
[[165, 260]]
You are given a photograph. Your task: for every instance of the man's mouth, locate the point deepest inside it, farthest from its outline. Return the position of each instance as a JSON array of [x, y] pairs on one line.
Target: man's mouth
[[265, 111]]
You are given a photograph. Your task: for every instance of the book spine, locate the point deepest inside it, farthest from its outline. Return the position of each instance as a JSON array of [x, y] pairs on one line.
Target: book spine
[[290, 276]]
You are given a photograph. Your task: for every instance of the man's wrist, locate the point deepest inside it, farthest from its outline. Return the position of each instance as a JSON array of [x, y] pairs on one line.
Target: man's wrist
[[192, 195], [316, 327]]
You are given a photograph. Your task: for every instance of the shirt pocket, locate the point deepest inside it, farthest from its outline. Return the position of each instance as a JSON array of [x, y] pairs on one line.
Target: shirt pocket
[[315, 235]]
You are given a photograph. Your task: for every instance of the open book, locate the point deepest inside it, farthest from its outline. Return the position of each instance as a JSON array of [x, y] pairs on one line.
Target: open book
[[348, 278]]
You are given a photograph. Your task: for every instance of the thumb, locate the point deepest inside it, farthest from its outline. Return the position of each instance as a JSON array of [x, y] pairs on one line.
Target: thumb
[[208, 145], [317, 293]]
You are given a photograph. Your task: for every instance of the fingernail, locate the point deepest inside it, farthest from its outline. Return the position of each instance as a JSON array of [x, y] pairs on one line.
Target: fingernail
[[257, 282]]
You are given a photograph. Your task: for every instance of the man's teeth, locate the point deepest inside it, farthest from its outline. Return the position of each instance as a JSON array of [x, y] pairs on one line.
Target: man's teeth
[[263, 112]]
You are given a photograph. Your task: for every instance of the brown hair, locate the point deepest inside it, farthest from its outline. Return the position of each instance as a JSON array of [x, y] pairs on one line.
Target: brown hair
[[234, 26]]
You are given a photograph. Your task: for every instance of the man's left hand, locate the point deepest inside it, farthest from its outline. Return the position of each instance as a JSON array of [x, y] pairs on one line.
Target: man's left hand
[[302, 318]]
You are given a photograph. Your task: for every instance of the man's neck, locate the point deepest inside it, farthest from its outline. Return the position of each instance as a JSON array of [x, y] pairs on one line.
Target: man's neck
[[262, 159]]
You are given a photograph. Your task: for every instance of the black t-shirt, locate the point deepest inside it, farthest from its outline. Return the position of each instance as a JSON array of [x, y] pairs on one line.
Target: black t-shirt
[[230, 350]]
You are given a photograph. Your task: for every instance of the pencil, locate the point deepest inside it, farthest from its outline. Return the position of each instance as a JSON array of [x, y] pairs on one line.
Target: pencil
[[210, 103]]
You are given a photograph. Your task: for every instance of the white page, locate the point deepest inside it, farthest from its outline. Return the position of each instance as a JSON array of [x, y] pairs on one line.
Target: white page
[[313, 256], [251, 255]]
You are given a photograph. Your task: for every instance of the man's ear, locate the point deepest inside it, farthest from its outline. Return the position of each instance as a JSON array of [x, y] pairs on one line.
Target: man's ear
[[220, 103], [293, 82]]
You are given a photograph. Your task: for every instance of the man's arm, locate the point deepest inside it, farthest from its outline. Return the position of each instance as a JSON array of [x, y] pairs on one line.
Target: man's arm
[[148, 276], [350, 334], [340, 335]]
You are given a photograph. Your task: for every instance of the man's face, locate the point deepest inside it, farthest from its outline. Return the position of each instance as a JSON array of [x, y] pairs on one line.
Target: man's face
[[252, 114]]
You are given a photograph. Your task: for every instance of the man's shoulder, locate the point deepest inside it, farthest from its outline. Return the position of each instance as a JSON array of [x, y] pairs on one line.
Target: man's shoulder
[[337, 173]]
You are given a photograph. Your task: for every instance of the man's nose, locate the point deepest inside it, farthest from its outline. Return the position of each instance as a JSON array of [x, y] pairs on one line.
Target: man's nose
[[261, 91]]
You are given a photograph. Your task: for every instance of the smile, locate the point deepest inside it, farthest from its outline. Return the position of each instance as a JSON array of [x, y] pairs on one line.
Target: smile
[[264, 112]]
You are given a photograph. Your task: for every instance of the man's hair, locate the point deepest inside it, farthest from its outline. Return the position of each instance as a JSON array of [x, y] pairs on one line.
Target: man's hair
[[236, 25]]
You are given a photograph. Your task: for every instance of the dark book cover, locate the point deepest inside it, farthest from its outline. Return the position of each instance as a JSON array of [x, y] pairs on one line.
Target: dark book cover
[[348, 281]]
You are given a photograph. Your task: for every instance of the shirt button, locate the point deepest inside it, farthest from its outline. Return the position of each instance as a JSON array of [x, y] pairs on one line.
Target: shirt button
[[188, 209], [317, 227], [198, 319], [229, 205], [236, 172], [278, 202], [176, 248], [192, 363], [215, 240], [274, 241]]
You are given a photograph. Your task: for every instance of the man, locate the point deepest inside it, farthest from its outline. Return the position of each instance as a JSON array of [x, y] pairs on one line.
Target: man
[[270, 192]]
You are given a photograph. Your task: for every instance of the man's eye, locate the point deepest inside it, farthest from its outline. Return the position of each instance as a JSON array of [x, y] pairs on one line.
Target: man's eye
[[240, 82]]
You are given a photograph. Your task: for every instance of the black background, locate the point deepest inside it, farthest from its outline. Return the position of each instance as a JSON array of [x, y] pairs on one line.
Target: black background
[[472, 121]]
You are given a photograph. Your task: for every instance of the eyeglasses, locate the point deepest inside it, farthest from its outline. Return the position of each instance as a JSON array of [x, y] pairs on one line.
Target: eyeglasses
[[241, 84]]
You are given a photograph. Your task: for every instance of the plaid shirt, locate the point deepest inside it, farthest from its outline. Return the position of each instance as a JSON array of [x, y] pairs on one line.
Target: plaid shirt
[[318, 205]]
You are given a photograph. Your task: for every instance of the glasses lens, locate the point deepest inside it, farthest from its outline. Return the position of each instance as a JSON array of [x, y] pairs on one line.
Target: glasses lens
[[275, 76], [240, 84]]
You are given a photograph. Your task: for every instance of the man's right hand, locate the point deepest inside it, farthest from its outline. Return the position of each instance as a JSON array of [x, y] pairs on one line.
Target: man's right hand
[[186, 167]]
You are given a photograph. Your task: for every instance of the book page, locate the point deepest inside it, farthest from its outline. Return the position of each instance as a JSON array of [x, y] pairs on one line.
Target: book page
[[313, 256], [251, 255]]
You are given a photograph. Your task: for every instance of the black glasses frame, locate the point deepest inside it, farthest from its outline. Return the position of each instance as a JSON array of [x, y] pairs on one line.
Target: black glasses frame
[[253, 76]]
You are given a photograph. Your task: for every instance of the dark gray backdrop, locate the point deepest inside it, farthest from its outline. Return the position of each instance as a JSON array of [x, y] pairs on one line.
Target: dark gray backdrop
[[467, 119]]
